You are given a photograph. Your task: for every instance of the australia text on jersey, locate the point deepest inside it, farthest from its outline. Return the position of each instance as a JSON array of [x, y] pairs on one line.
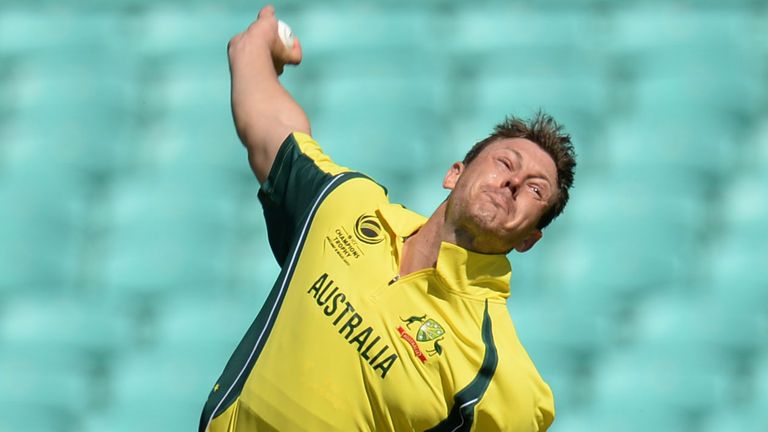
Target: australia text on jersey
[[335, 303]]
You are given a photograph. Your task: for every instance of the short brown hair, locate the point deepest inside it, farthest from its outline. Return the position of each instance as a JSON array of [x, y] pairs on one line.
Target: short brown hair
[[543, 130]]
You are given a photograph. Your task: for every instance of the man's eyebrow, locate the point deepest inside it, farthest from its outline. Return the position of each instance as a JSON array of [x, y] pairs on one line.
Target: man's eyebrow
[[540, 174]]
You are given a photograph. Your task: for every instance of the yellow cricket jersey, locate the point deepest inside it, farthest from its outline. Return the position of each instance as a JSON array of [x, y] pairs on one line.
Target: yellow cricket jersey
[[341, 344]]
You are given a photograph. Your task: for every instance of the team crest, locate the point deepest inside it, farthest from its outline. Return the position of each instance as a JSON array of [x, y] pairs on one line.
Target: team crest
[[429, 330]]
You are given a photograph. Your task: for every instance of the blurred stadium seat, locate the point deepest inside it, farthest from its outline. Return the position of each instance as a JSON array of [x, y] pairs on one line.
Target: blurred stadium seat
[[167, 30], [161, 389], [38, 418], [495, 28], [633, 415], [89, 323], [52, 376], [375, 119], [204, 321], [164, 233], [660, 139], [42, 234], [363, 27]]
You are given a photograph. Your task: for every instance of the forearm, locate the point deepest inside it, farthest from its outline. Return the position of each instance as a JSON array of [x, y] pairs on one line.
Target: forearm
[[264, 112]]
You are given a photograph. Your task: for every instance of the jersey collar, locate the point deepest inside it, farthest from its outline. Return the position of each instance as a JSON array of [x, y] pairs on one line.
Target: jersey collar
[[463, 271]]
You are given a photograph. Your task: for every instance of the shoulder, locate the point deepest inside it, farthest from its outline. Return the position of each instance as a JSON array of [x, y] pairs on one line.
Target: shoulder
[[303, 173]]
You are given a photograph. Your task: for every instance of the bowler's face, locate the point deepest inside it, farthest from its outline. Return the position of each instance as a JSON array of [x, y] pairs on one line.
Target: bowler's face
[[499, 197]]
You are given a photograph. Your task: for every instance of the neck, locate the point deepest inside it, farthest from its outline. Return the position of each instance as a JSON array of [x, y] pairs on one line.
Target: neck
[[421, 249]]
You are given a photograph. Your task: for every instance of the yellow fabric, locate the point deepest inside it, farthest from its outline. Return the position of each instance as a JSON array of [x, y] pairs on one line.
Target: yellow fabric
[[338, 358], [309, 147]]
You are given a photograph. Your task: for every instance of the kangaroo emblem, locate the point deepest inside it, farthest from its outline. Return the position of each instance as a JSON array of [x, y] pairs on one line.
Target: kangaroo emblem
[[413, 319], [438, 348]]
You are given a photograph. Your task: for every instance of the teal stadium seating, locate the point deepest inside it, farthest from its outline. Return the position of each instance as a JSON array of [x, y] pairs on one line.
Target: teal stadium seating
[[42, 234], [167, 232], [134, 255], [207, 323], [55, 378], [157, 389], [91, 323], [36, 418]]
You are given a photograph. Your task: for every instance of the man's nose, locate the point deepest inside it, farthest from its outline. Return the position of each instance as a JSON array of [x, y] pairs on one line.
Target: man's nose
[[513, 182]]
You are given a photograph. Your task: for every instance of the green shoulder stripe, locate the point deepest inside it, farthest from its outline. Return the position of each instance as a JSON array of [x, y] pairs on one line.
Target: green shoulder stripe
[[298, 175], [462, 414], [245, 356]]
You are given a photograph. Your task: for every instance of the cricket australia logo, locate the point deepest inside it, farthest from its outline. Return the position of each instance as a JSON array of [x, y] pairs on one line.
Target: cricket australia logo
[[429, 331]]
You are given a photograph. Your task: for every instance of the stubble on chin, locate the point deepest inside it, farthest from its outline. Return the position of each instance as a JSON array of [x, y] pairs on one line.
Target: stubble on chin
[[476, 224], [484, 216], [479, 226]]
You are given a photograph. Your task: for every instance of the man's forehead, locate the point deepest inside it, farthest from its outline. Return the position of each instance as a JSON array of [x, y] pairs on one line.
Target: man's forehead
[[525, 148]]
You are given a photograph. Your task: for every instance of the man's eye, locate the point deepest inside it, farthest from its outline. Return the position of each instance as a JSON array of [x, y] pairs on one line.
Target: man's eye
[[536, 190]]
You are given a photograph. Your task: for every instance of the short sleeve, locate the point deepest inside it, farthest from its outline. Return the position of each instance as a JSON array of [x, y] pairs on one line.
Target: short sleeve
[[299, 174]]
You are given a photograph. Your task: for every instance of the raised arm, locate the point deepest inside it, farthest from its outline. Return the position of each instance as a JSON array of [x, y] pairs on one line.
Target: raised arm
[[263, 110]]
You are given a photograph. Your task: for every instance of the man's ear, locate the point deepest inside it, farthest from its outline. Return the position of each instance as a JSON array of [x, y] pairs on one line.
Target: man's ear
[[452, 176], [529, 241]]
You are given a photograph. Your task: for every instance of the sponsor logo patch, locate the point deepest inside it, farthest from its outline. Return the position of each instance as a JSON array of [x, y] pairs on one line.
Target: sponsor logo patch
[[348, 244], [345, 245], [368, 229]]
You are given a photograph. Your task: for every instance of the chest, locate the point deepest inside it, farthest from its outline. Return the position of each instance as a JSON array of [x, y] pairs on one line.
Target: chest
[[403, 347]]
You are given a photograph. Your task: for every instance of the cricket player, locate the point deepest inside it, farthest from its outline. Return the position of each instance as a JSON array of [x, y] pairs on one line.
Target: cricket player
[[382, 319]]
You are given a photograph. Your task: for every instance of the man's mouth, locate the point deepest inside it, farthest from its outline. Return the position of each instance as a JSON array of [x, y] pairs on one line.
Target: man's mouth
[[499, 200]]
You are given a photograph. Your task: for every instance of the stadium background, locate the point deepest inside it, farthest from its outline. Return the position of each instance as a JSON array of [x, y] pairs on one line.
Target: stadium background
[[133, 254]]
